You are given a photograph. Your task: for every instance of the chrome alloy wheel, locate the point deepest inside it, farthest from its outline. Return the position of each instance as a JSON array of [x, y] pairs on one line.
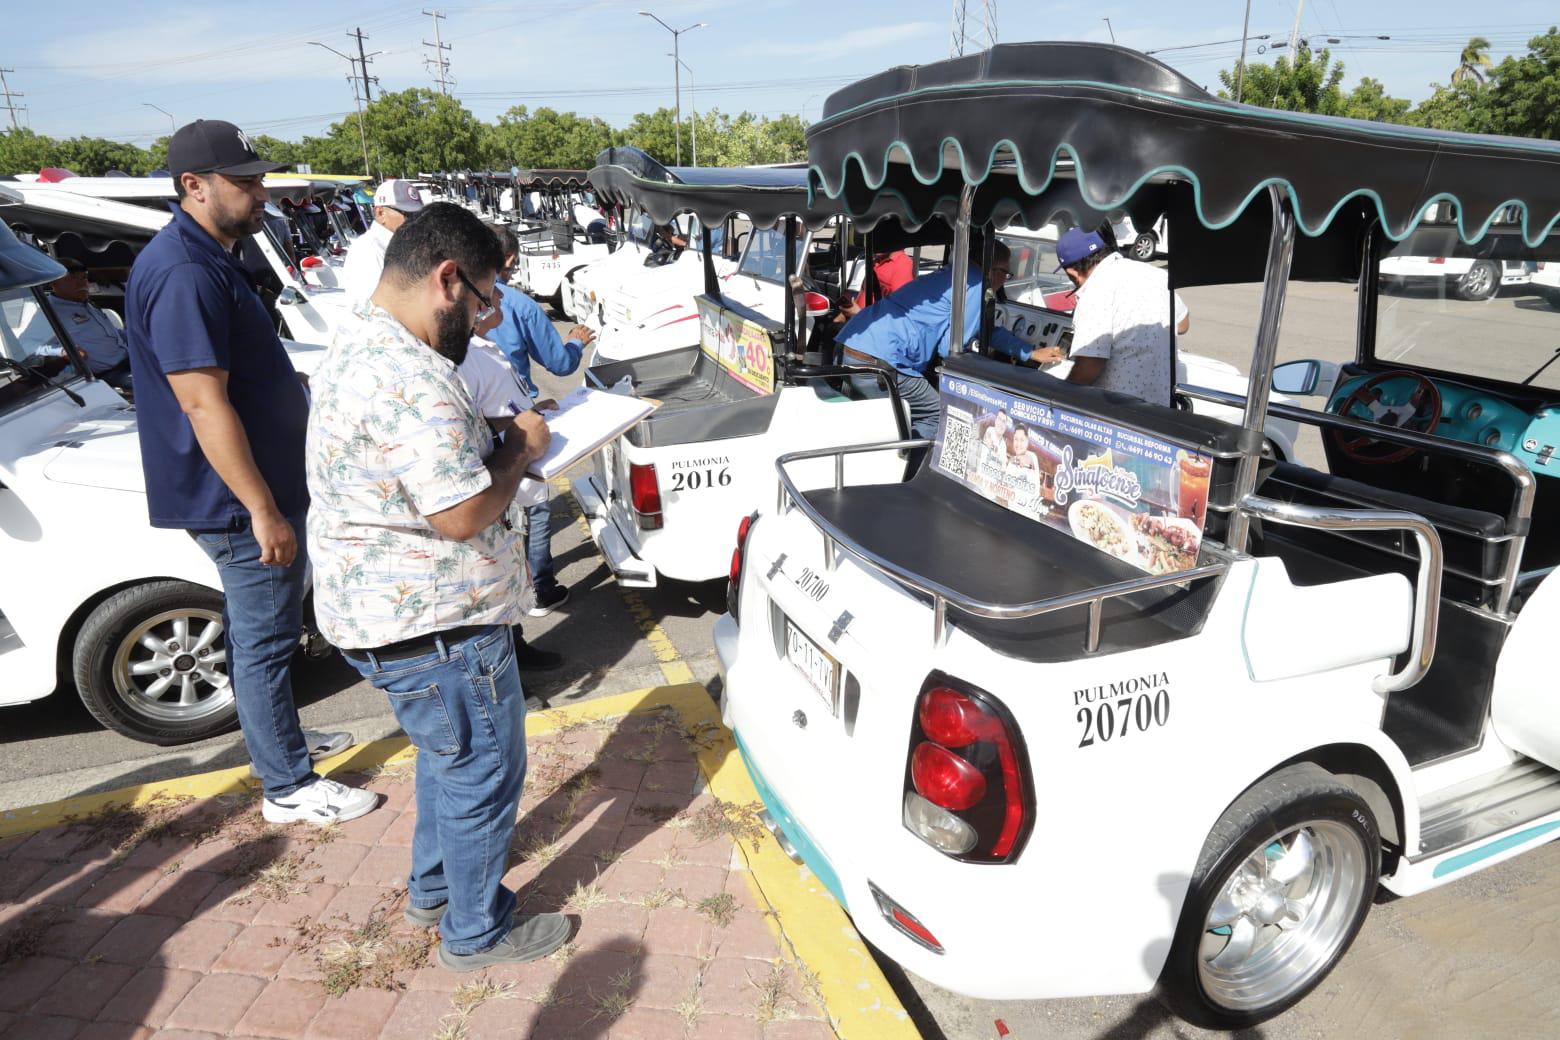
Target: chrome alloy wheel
[[1479, 281], [1282, 915], [171, 668]]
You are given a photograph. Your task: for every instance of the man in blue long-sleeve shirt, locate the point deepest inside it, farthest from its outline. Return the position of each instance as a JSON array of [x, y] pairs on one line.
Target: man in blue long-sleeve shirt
[[525, 334], [908, 330]]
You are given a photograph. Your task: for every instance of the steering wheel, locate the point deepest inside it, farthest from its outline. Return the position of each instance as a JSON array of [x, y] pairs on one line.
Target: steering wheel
[[1420, 411]]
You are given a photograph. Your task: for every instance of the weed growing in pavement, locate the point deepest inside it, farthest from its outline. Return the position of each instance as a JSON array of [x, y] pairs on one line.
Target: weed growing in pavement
[[614, 1004], [124, 827], [278, 881], [553, 994], [464, 1003], [607, 857], [584, 898], [704, 736], [810, 982], [394, 772], [565, 953], [773, 989], [26, 937], [657, 813], [690, 1009], [739, 822], [719, 909], [663, 897], [540, 851], [645, 756], [670, 860], [372, 954]]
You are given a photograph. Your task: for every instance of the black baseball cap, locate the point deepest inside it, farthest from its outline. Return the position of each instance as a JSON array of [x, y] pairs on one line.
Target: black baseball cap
[[214, 146]]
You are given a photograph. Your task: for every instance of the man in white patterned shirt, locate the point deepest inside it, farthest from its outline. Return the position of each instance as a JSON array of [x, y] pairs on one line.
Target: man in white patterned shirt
[[419, 570], [1121, 325]]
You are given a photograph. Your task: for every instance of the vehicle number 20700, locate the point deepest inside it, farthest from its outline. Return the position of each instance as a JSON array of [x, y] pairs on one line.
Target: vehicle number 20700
[[1115, 719], [698, 479]]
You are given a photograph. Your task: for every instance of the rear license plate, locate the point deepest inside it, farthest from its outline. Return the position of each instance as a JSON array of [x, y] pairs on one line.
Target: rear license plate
[[821, 671]]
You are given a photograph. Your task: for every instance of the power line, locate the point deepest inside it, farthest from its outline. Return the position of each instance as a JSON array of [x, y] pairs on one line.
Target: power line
[[363, 60], [438, 61], [10, 105]]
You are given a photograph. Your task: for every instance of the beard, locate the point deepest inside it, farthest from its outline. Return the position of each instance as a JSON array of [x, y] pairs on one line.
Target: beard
[[240, 223], [452, 333]]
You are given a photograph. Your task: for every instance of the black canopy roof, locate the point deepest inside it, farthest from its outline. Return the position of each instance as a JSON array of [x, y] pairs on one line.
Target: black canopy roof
[[1007, 119], [762, 193], [552, 180]]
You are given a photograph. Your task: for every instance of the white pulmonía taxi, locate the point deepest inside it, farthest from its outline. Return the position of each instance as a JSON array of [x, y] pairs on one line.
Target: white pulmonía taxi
[[1101, 698]]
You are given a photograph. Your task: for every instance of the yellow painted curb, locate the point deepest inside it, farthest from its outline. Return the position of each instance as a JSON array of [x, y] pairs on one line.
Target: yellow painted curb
[[858, 999]]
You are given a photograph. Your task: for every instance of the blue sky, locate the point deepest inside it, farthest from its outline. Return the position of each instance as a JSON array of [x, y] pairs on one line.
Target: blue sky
[[95, 67]]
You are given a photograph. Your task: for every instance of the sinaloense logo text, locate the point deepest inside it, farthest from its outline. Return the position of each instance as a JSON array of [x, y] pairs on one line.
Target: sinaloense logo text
[[1114, 481]]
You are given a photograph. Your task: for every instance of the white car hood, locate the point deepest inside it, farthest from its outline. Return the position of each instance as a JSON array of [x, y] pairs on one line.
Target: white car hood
[[102, 449]]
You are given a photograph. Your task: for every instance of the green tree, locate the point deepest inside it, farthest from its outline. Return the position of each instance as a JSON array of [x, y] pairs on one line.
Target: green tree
[[1370, 100], [1473, 62], [545, 139], [1310, 83], [417, 130], [655, 132], [1524, 91], [24, 151]]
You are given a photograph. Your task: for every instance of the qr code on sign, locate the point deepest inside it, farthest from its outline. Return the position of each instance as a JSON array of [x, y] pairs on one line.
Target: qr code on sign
[[958, 431]]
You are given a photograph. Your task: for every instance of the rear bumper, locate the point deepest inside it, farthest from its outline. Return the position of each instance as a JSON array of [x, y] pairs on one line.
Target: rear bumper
[[629, 570]]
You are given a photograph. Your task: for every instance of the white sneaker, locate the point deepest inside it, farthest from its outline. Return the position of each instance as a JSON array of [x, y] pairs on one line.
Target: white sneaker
[[321, 745], [321, 803]]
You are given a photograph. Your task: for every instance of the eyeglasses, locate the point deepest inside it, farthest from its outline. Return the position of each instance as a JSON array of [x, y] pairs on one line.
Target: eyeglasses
[[487, 305]]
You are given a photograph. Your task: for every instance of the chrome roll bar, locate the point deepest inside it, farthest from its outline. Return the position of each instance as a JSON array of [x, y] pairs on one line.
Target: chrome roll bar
[[1517, 517], [943, 597], [1427, 590]]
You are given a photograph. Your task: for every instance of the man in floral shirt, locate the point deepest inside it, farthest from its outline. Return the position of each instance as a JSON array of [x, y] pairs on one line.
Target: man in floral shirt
[[419, 570]]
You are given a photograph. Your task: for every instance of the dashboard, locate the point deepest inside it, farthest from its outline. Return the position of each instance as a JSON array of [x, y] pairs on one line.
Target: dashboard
[[1473, 415], [1037, 326]]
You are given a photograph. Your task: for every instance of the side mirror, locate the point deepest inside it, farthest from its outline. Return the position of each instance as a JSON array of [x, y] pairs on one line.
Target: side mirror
[[818, 305], [289, 297], [1297, 378]]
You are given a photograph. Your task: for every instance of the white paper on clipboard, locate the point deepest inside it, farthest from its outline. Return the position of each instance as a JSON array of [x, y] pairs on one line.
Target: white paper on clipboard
[[584, 421]]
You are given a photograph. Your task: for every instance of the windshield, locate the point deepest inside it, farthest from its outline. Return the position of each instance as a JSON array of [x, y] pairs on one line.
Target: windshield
[[1492, 316], [1033, 268], [29, 338], [765, 255]]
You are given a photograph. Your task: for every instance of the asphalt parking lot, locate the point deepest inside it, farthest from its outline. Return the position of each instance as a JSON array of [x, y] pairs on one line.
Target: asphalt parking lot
[[1477, 958]]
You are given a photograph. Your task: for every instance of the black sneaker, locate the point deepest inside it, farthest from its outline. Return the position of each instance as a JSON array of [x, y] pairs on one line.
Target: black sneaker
[[533, 937], [549, 600], [529, 659]]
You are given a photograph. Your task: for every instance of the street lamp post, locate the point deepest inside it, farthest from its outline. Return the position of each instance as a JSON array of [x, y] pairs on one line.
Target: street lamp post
[[356, 100], [171, 125], [693, 101], [677, 72]]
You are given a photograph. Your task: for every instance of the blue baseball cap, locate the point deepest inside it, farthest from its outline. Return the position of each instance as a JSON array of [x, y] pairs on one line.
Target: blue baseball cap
[[1075, 244]]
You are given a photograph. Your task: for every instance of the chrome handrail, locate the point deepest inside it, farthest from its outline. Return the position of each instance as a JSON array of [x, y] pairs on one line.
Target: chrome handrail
[[942, 596], [1427, 591]]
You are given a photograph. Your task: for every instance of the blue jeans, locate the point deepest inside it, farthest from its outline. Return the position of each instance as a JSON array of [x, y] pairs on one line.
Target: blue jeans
[[262, 618], [462, 706], [538, 545], [925, 404]]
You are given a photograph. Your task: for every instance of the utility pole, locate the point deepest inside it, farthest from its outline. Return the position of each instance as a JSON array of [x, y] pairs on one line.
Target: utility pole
[[694, 102], [368, 95], [1294, 34], [438, 61], [11, 106], [1240, 70], [357, 99], [676, 57]]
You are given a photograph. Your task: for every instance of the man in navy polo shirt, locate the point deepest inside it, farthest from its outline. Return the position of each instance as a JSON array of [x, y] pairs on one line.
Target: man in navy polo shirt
[[222, 417]]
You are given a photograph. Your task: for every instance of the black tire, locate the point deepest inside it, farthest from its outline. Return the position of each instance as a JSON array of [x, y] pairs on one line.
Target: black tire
[[1480, 282], [112, 630], [1297, 796], [1144, 246]]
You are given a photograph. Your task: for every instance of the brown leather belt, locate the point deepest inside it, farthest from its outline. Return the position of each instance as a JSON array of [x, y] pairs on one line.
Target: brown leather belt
[[865, 359]]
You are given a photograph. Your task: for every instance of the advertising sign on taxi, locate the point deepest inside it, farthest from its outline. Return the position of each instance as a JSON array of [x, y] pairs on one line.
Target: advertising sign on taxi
[[1138, 498], [741, 347]]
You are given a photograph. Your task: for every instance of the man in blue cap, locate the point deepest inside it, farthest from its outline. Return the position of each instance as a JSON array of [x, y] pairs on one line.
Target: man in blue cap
[[1121, 325], [908, 330]]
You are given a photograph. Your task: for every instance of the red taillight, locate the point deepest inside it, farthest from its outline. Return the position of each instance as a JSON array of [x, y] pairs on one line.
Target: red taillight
[[645, 492], [965, 758], [951, 718], [736, 554], [309, 262], [945, 779], [734, 586], [1438, 259]]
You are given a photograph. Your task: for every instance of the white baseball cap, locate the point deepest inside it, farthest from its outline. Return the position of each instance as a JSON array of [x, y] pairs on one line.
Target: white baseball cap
[[398, 194]]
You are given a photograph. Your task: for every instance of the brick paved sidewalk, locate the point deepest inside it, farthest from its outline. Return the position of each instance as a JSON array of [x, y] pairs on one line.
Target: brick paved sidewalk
[[192, 918]]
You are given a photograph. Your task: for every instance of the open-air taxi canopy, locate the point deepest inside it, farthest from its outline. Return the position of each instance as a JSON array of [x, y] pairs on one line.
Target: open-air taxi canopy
[[551, 180], [1024, 121]]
